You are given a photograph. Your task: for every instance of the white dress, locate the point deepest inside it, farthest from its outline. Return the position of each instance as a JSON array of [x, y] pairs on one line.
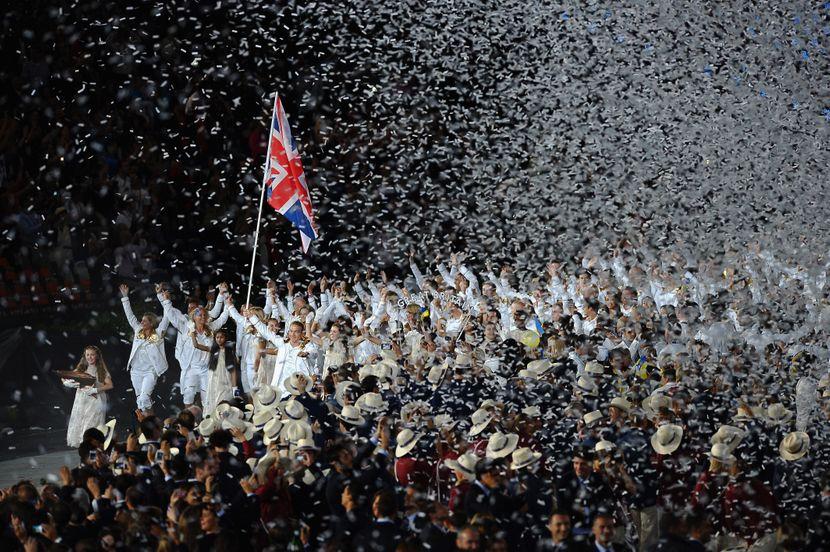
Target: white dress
[[87, 411], [265, 372], [219, 386]]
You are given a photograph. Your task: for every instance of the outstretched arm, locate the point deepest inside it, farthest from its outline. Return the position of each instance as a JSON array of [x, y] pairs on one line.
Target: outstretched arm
[[128, 310]]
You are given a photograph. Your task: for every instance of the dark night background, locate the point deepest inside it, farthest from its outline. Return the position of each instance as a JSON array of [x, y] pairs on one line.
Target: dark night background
[[131, 146]]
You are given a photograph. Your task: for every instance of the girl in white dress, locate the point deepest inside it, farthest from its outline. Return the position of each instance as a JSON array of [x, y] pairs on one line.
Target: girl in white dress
[[147, 358], [266, 358], [247, 339], [90, 407], [223, 373]]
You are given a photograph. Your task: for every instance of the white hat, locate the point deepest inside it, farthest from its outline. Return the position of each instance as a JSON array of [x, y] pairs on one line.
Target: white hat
[[234, 423], [294, 431], [722, 453], [298, 383], [206, 427], [466, 464], [342, 388], [414, 410], [306, 444], [108, 429], [406, 439], [539, 367], [594, 368], [730, 436], [586, 385], [262, 417], [777, 414], [604, 446], [500, 445], [271, 431], [436, 373], [371, 403], [524, 457], [481, 418], [389, 366], [592, 418], [532, 411], [351, 415], [654, 403], [265, 397], [444, 421], [226, 411], [622, 403], [667, 438], [794, 445], [489, 404], [293, 410], [528, 374]]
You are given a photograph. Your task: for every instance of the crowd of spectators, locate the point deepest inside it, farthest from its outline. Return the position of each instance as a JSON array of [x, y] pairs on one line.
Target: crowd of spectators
[[620, 406]]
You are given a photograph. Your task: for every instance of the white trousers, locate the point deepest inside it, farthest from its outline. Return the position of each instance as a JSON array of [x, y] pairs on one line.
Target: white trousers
[[194, 381], [144, 381], [248, 378]]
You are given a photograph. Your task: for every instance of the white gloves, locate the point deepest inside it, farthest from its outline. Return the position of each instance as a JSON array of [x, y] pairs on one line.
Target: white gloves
[[72, 384]]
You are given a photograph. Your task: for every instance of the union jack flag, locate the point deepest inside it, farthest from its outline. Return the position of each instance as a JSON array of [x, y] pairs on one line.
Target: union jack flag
[[285, 186]]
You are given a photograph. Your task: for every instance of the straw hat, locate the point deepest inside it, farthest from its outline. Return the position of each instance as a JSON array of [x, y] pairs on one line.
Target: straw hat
[[262, 417], [293, 410], [594, 368], [622, 403], [108, 429], [604, 446], [389, 365], [527, 374], [524, 457], [591, 418], [298, 383], [539, 367], [351, 416], [667, 438], [489, 404], [414, 410], [436, 373], [246, 427], [306, 444], [730, 436], [265, 397], [271, 431], [586, 385], [371, 403], [481, 418], [406, 439], [500, 445], [206, 427], [654, 403], [794, 445], [777, 414], [466, 464], [294, 431], [722, 453], [533, 411]]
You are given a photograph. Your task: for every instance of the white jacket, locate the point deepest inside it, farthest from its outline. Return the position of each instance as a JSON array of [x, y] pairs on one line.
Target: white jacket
[[155, 346], [288, 360]]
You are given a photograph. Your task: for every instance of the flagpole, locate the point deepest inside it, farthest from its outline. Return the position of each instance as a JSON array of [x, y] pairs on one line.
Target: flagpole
[[261, 201]]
